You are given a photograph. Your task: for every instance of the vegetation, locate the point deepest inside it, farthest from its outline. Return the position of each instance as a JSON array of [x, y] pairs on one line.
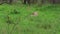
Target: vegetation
[[29, 19]]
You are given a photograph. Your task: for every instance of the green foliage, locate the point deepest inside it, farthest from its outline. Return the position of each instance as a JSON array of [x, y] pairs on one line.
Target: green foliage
[[47, 21]]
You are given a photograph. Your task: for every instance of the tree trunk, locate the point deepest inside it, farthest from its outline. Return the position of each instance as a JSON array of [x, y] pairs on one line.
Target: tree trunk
[[26, 1]]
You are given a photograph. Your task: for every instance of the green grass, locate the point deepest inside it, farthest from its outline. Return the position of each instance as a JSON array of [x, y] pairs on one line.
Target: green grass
[[47, 21]]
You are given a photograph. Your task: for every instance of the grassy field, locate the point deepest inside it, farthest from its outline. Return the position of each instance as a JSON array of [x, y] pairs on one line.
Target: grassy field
[[47, 21]]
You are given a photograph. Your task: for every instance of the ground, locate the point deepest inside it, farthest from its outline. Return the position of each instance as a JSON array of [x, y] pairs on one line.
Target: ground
[[21, 21]]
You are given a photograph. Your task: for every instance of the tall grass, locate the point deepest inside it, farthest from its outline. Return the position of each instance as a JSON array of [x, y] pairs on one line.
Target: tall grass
[[47, 21]]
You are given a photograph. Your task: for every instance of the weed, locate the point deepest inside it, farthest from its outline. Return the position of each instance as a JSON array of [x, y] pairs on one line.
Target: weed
[[15, 12]]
